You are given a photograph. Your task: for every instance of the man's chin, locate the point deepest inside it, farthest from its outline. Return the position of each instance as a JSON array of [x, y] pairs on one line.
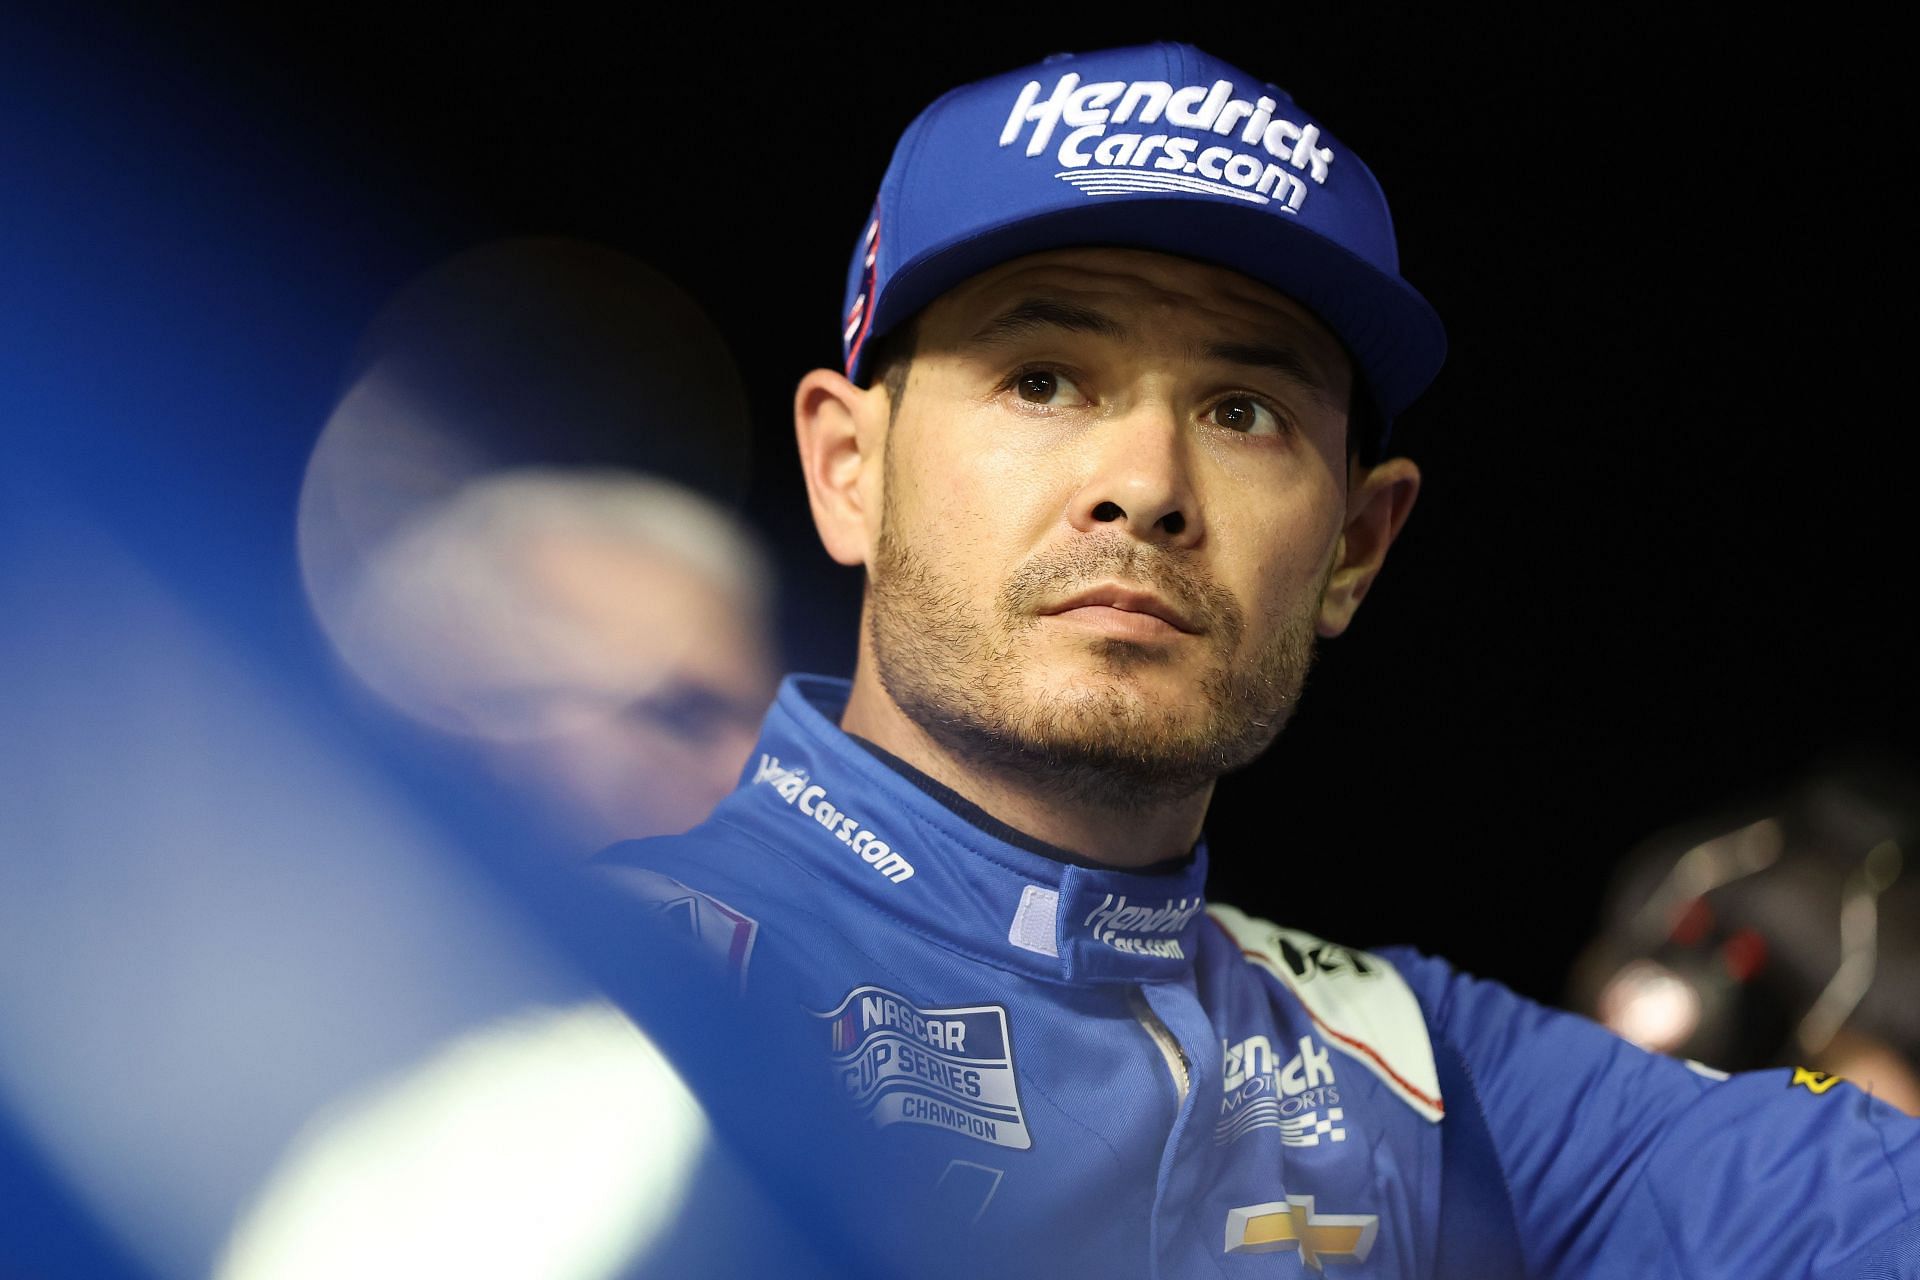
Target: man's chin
[[1126, 712], [1122, 739], [1116, 676]]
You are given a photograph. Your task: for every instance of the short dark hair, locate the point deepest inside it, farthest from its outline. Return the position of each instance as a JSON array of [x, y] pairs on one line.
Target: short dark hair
[[890, 359]]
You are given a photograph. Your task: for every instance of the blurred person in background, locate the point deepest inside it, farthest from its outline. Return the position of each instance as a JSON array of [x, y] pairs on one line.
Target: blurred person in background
[[1787, 937], [510, 534], [598, 639]]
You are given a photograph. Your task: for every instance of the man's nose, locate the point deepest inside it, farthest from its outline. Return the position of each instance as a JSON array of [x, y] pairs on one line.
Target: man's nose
[[1140, 478]]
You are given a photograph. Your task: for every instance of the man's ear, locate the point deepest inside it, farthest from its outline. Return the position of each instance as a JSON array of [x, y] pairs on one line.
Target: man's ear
[[1379, 500], [839, 455]]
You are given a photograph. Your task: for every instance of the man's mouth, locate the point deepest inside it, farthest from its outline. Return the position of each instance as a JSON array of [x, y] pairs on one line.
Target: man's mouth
[[1129, 611]]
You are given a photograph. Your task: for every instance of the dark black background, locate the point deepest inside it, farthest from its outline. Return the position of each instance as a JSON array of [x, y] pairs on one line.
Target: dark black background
[[1661, 561]]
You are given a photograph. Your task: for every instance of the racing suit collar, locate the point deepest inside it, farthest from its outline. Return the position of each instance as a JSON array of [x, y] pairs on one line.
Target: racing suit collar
[[972, 813], [817, 794]]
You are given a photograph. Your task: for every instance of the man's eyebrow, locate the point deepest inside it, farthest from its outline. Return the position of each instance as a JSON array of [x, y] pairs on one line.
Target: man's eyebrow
[[1035, 315], [1281, 360]]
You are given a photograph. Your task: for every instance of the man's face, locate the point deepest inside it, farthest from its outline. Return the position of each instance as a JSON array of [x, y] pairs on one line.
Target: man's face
[[645, 704], [1111, 498]]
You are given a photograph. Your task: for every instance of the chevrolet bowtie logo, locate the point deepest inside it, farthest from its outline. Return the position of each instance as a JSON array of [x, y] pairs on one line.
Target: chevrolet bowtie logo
[[1292, 1224]]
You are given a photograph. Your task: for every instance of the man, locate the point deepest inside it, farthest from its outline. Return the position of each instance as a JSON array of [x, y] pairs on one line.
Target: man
[[508, 537], [573, 629], [1122, 340]]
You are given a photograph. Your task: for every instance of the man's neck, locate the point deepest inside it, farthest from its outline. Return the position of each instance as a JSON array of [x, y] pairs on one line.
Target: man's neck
[[1116, 837]]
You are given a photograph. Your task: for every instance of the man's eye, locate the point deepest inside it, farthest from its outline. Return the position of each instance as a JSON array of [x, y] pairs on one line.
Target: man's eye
[[1245, 414], [1047, 386], [690, 711]]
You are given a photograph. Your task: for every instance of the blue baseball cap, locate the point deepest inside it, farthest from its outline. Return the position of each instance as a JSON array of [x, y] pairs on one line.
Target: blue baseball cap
[[1159, 147]]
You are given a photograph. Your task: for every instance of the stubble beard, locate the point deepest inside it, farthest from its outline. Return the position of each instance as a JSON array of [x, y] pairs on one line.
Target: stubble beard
[[963, 676]]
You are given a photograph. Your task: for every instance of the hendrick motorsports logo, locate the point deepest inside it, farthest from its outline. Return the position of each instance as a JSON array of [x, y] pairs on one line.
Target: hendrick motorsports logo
[[949, 1068], [810, 798], [1119, 924], [1100, 160], [1298, 1097]]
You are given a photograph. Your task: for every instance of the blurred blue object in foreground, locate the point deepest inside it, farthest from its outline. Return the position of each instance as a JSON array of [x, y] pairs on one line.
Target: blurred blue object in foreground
[[210, 918], [269, 982], [266, 1013]]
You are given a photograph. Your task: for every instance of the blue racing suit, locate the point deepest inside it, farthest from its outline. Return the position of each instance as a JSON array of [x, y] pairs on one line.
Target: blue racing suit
[[1106, 1075]]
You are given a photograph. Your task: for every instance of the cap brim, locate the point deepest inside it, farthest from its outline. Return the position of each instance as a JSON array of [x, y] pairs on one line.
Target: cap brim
[[1392, 334]]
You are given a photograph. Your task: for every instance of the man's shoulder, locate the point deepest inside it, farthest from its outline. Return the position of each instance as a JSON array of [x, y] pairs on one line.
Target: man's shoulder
[[697, 845], [707, 856], [1303, 956], [737, 895], [719, 856], [1336, 981], [684, 881], [1361, 1000]]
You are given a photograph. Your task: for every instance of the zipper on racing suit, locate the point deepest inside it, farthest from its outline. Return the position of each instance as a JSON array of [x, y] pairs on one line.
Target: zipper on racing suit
[[1163, 1040]]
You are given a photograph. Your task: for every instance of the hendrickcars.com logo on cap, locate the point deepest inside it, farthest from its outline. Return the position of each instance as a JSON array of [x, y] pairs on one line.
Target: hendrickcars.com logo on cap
[[1100, 162]]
